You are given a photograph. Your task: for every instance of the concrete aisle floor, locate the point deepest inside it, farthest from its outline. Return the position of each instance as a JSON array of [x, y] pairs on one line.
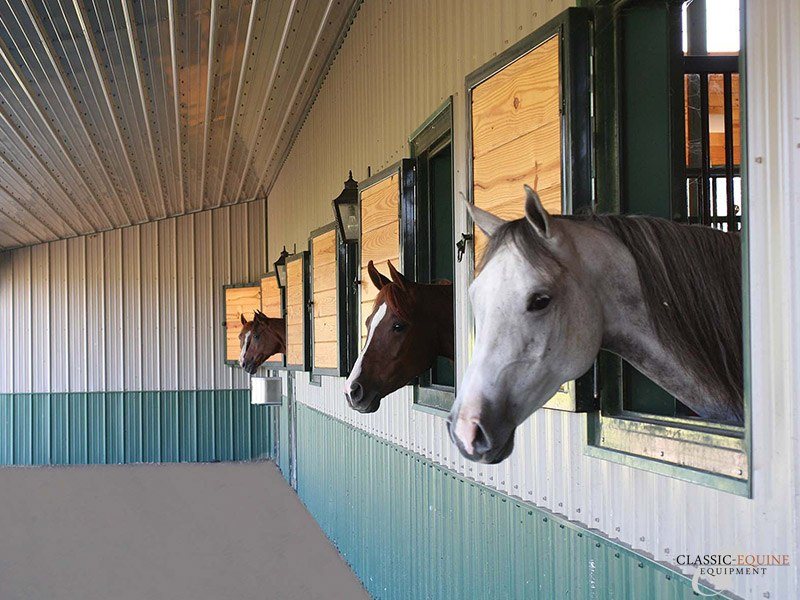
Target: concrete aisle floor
[[163, 532]]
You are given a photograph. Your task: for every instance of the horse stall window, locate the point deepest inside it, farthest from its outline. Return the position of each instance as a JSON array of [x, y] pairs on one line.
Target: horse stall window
[[240, 299], [272, 306], [327, 306], [529, 116], [297, 301], [674, 74], [433, 257], [382, 215]]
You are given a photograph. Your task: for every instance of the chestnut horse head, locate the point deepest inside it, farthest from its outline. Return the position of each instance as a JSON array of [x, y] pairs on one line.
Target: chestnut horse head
[[259, 339], [410, 325]]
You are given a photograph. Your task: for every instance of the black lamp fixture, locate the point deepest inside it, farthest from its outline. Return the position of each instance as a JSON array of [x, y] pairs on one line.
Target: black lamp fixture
[[280, 268], [345, 210]]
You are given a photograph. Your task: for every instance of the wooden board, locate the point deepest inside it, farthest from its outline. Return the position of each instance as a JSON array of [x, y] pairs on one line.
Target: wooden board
[[325, 318], [238, 301], [516, 140], [295, 312], [516, 136], [380, 237], [271, 304]]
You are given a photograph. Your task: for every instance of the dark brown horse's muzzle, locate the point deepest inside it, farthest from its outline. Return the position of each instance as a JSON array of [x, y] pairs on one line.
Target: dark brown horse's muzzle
[[361, 400]]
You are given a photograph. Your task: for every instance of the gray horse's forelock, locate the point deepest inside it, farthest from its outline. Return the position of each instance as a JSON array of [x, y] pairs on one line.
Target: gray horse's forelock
[[520, 234], [691, 280]]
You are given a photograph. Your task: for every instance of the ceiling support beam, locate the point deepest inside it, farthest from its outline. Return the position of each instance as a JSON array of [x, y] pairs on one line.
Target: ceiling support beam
[[289, 107], [176, 92], [5, 55], [239, 86], [267, 95], [91, 44], [47, 44], [210, 74], [130, 25]]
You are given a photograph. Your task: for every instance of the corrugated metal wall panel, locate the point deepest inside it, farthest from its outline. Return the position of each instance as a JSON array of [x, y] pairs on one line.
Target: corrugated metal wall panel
[[77, 316], [410, 529], [132, 427], [7, 327], [399, 62], [134, 309], [95, 320], [57, 362]]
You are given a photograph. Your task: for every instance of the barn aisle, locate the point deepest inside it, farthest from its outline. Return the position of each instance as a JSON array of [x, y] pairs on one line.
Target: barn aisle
[[180, 531]]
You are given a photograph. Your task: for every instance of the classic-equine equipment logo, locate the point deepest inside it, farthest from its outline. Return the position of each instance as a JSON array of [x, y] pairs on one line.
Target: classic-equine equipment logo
[[720, 569]]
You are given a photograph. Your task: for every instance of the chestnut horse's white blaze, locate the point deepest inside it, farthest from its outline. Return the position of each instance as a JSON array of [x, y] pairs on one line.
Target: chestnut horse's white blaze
[[245, 344], [379, 314]]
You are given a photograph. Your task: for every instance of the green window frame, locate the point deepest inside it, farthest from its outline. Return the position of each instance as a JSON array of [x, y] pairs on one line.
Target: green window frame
[[639, 84], [432, 255]]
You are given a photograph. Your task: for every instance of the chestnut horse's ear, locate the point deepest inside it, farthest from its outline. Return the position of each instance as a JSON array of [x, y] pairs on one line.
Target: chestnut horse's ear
[[397, 277], [486, 221], [378, 279], [536, 214], [244, 320]]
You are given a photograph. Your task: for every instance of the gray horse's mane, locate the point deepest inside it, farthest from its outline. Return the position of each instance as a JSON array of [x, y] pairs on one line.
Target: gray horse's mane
[[691, 280]]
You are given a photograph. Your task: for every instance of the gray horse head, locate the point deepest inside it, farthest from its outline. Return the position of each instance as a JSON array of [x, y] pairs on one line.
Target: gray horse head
[[552, 292], [535, 329]]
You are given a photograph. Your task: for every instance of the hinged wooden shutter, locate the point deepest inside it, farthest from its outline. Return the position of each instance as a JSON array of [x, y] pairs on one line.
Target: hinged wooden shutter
[[272, 306], [381, 200], [325, 301], [239, 300], [530, 124], [296, 313]]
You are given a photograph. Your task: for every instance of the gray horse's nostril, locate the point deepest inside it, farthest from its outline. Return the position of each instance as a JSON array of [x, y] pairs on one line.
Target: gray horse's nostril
[[481, 443]]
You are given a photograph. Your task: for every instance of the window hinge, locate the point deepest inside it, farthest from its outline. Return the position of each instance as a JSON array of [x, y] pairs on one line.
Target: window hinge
[[461, 245]]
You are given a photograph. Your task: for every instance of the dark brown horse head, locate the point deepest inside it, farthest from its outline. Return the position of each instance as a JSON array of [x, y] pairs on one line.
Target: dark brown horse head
[[410, 325], [259, 339]]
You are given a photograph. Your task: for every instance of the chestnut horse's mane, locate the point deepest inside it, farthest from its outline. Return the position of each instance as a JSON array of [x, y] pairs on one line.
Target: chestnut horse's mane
[[398, 299]]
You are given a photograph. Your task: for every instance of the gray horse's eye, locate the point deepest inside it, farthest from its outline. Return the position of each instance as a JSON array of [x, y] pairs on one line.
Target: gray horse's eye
[[538, 301]]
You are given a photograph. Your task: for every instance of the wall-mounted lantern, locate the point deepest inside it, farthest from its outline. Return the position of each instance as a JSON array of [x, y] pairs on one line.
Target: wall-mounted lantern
[[345, 210], [280, 268]]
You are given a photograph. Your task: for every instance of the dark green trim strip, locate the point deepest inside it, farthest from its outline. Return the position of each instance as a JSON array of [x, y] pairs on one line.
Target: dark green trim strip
[[133, 427]]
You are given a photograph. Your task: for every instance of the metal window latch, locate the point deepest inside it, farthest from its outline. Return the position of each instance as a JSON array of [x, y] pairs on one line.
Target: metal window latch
[[461, 245]]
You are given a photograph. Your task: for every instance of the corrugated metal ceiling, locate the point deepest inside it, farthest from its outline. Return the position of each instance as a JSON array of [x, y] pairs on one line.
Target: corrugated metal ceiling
[[114, 112]]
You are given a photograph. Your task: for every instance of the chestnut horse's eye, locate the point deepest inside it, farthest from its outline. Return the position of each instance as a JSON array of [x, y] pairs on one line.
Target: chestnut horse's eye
[[398, 326], [538, 301], [257, 337]]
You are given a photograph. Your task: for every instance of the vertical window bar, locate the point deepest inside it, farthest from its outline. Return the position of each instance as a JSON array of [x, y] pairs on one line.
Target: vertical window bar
[[705, 161], [728, 112]]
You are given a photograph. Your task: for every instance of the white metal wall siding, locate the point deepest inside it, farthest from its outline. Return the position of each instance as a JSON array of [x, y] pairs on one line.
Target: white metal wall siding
[[132, 309], [398, 63]]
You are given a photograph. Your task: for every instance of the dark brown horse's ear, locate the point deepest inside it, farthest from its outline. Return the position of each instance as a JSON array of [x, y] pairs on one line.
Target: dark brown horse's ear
[[378, 279], [397, 277], [244, 320]]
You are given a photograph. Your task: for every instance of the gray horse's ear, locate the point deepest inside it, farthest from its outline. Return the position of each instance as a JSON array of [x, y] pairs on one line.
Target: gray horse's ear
[[486, 221], [535, 213], [397, 277], [378, 279], [244, 320]]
